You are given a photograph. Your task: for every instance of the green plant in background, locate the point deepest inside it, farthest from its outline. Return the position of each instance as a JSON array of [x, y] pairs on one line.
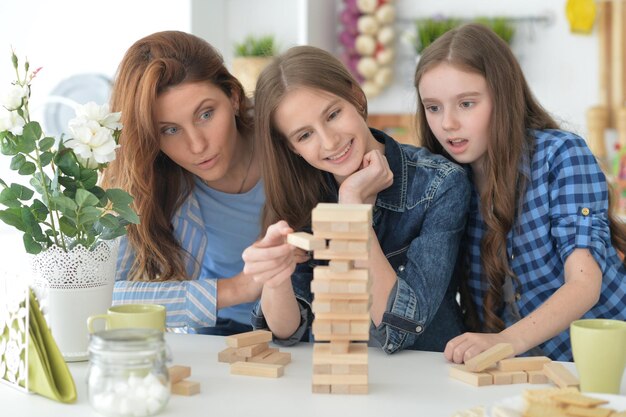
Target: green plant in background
[[256, 46], [427, 30]]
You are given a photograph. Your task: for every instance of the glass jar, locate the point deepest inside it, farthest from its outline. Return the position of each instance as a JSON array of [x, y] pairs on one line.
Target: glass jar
[[127, 372]]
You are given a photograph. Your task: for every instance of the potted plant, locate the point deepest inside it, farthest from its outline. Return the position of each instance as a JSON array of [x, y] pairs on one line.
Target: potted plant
[[69, 223], [251, 56]]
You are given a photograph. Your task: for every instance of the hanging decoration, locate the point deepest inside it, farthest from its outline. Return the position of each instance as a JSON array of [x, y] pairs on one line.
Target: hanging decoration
[[581, 15], [367, 38]]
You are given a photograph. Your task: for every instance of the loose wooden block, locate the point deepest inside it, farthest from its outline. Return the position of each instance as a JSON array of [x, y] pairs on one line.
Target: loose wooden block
[[478, 379], [261, 356], [537, 377], [531, 363], [306, 241], [178, 373], [519, 377], [248, 338], [558, 374], [252, 350], [230, 355], [267, 370], [185, 387], [489, 357], [277, 358], [578, 399], [500, 377], [544, 410]]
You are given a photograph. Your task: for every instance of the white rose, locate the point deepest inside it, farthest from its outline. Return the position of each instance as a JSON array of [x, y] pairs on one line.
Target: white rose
[[11, 121], [12, 98], [93, 144], [100, 114]]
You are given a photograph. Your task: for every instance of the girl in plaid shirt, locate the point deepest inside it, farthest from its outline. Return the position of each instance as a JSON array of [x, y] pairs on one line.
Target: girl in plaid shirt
[[542, 242]]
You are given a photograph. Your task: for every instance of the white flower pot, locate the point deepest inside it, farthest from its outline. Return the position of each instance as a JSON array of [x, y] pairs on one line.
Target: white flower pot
[[73, 286]]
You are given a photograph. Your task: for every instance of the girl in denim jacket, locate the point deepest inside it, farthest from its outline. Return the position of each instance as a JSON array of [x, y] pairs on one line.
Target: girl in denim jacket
[[310, 118], [541, 239]]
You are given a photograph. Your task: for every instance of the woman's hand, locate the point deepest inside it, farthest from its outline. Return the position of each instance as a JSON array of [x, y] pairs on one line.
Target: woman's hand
[[464, 347], [271, 260], [373, 176]]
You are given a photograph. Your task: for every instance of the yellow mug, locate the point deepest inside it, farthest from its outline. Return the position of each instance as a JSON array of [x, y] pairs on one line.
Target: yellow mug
[[599, 349], [123, 316]]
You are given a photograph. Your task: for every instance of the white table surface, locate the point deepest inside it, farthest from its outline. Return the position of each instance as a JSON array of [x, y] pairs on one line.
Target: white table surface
[[408, 383]]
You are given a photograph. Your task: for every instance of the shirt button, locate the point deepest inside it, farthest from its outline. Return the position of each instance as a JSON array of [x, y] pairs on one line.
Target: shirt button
[[389, 346], [518, 296], [401, 268], [585, 211], [419, 328]]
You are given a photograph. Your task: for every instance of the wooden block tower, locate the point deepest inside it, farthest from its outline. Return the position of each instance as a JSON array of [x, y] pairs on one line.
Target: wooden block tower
[[341, 298]]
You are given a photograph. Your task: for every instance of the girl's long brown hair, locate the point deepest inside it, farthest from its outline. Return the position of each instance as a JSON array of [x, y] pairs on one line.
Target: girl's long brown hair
[[477, 49], [292, 186], [149, 67]]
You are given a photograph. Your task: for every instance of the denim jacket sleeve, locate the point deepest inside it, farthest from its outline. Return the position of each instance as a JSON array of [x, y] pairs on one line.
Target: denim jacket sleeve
[[424, 276], [301, 282]]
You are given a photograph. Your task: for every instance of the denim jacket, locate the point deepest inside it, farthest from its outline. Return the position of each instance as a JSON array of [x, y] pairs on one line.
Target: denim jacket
[[419, 221]]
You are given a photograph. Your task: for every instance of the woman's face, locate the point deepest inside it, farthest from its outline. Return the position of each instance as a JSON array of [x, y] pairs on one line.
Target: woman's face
[[197, 129], [326, 130], [458, 108]]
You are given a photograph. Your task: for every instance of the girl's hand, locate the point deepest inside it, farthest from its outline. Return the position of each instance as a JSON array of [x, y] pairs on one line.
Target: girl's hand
[[373, 176], [466, 346], [271, 260]]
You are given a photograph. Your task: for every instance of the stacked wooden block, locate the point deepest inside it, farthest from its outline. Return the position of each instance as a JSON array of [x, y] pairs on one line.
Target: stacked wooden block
[[249, 354], [492, 367], [341, 296], [179, 382]]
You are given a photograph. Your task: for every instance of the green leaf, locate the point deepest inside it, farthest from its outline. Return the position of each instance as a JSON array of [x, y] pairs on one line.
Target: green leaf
[[9, 198], [88, 178], [119, 197], [127, 213], [39, 184], [8, 147], [13, 217], [27, 168], [85, 198], [65, 205], [86, 216], [39, 210], [108, 221], [32, 132], [66, 161], [17, 161], [46, 143], [45, 158], [68, 227], [31, 245], [23, 193]]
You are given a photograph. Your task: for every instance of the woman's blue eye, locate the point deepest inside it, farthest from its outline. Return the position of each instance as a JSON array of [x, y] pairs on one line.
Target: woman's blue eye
[[304, 136], [467, 104], [334, 114], [432, 109], [206, 115], [169, 131]]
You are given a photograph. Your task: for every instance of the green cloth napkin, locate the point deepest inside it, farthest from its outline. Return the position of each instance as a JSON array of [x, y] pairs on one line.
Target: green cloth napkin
[[48, 374]]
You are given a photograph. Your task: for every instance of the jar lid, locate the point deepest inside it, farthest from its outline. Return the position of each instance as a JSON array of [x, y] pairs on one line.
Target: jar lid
[[125, 340]]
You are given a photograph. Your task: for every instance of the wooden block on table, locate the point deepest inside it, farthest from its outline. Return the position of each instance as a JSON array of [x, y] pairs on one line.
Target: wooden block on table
[[544, 410], [276, 358], [500, 377], [359, 389], [530, 363], [537, 377], [576, 411], [261, 356], [229, 355], [178, 373], [559, 374], [252, 350], [478, 379], [489, 357], [340, 389], [248, 338], [519, 377], [267, 370], [185, 387], [306, 241]]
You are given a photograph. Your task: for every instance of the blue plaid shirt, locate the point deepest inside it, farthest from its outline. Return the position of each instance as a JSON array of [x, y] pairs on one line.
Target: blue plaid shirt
[[565, 207]]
